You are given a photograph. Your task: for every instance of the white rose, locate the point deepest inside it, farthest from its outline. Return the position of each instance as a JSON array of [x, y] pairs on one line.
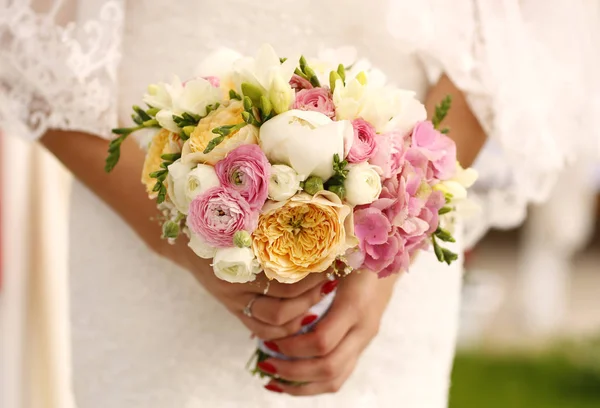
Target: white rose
[[377, 104], [201, 247], [284, 182], [236, 265], [363, 184], [305, 141], [200, 179], [176, 181]]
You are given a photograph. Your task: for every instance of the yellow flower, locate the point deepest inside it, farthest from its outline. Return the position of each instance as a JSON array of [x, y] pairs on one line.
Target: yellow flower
[[303, 235], [163, 142], [230, 113]]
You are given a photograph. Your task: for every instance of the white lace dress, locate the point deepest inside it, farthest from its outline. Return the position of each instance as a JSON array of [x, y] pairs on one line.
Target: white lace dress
[[144, 332]]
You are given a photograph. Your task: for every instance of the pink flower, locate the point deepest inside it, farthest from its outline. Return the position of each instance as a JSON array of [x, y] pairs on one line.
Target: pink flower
[[315, 99], [218, 213], [438, 148], [389, 154], [298, 83], [246, 170], [364, 145]]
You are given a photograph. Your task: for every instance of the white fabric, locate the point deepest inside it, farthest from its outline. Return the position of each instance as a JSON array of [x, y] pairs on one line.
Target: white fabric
[[144, 333]]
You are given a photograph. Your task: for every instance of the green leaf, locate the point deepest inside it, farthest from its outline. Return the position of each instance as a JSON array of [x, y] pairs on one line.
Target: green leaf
[[214, 143], [441, 111], [234, 95]]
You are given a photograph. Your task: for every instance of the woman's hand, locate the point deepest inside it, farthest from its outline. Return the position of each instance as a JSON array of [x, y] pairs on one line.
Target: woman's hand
[[280, 313], [337, 341]]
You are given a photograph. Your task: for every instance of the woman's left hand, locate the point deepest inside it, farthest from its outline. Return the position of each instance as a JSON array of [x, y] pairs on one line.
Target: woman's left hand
[[336, 342]]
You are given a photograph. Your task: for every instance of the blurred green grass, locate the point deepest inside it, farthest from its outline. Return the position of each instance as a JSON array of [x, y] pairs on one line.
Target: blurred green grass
[[551, 380]]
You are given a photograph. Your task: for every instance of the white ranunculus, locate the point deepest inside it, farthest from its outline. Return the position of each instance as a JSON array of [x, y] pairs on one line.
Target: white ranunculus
[[284, 182], [176, 181], [266, 72], [201, 247], [377, 105], [200, 179], [305, 141], [363, 184], [236, 265]]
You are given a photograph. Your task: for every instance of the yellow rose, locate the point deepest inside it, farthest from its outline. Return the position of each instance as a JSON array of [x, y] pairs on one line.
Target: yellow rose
[[164, 142], [303, 235], [230, 113]]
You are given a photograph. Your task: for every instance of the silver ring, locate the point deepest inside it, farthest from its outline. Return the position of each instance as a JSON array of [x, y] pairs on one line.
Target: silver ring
[[248, 309]]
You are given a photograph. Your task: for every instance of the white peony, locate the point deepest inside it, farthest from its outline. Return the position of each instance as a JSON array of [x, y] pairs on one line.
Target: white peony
[[284, 182], [201, 247], [185, 181], [306, 141], [236, 265], [266, 72], [377, 105], [363, 184], [200, 179]]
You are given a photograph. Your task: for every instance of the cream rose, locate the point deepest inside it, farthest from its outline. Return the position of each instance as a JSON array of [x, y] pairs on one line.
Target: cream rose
[[201, 247], [236, 265], [306, 141], [363, 184], [227, 114], [303, 235], [284, 182]]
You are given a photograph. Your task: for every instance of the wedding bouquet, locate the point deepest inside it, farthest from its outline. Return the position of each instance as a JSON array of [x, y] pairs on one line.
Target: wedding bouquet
[[289, 167]]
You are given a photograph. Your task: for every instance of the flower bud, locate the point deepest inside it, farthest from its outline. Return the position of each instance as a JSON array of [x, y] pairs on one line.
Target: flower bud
[[362, 78], [170, 229], [313, 185], [340, 191], [242, 239], [281, 95]]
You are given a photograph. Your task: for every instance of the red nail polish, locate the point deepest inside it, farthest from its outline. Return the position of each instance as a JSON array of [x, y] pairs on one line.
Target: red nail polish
[[267, 367], [273, 387], [271, 346], [329, 287], [309, 319]]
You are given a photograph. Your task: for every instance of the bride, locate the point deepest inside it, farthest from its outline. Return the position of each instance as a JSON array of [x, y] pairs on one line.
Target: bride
[[151, 325]]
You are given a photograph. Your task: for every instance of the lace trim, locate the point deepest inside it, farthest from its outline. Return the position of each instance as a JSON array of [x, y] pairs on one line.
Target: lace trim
[[58, 76]]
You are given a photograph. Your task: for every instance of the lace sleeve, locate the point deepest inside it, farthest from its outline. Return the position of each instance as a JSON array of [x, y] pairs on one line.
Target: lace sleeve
[[525, 69], [59, 65]]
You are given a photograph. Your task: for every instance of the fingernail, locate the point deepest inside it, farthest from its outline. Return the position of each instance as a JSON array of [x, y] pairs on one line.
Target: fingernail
[[271, 346], [273, 387], [267, 367], [309, 319], [329, 287]]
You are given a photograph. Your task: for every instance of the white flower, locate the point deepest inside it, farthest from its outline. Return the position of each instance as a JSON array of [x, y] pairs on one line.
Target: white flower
[[220, 64], [457, 185], [201, 247], [186, 180], [363, 184], [266, 72], [329, 59], [236, 265], [306, 141], [377, 105], [200, 179], [176, 181], [284, 182]]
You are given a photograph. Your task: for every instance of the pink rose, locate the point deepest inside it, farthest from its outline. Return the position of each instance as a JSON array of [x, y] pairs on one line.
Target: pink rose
[[315, 99], [389, 154], [298, 83], [439, 149], [218, 213], [364, 145], [247, 171]]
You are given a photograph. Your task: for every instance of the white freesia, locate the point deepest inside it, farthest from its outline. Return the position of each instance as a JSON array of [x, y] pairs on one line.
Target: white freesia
[[176, 181], [363, 184], [200, 179], [266, 72], [219, 64], [305, 141], [236, 265], [284, 182], [329, 59], [377, 105], [459, 183], [201, 247]]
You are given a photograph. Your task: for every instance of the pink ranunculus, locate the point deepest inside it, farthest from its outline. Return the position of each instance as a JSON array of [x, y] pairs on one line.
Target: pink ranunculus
[[439, 149], [298, 83], [218, 213], [364, 145], [246, 170], [389, 154], [315, 99]]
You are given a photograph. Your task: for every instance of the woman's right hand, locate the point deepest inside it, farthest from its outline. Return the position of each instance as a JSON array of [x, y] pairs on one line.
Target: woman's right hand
[[279, 313]]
